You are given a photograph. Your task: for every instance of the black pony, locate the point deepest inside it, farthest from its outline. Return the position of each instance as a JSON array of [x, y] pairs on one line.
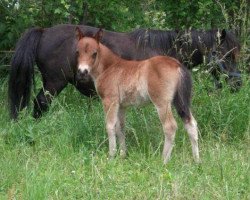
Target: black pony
[[53, 50]]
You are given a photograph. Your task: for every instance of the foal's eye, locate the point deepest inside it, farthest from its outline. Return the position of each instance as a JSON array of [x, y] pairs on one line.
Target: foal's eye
[[77, 52], [94, 55]]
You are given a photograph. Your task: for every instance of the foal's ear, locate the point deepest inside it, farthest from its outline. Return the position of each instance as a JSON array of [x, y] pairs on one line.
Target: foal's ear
[[79, 34], [98, 35]]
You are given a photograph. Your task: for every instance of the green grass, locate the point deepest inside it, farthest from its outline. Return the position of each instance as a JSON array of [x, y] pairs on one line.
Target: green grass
[[63, 155]]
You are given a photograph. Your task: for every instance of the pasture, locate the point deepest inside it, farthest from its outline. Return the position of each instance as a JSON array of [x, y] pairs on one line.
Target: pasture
[[64, 154]]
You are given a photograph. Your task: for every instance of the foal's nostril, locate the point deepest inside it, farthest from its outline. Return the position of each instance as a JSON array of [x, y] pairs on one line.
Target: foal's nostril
[[85, 72], [82, 75]]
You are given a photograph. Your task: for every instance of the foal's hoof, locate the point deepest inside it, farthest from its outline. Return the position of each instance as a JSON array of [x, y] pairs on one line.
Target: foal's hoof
[[111, 157], [123, 154], [165, 162], [198, 161]]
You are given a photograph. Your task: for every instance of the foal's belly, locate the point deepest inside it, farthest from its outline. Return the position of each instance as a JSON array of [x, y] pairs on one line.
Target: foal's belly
[[135, 94]]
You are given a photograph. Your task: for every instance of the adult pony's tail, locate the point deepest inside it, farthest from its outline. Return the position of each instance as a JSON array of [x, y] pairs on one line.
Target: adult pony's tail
[[182, 96], [22, 70]]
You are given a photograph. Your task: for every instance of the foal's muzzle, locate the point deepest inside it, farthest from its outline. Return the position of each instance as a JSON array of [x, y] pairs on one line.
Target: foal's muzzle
[[82, 76]]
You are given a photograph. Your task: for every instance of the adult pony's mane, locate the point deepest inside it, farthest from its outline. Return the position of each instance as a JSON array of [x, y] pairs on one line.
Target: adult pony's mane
[[164, 42], [161, 41], [201, 38]]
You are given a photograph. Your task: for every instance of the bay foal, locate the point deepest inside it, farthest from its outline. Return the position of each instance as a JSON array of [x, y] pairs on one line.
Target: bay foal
[[120, 83]]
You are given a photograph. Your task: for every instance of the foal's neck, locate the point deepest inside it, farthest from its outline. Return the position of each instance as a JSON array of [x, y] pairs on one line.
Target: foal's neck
[[108, 58]]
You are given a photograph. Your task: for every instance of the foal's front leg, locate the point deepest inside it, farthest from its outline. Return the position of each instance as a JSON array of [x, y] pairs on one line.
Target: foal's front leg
[[111, 109], [120, 126]]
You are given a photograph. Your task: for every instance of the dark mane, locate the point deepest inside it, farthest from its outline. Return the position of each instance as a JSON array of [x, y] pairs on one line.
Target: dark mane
[[198, 39], [161, 41], [231, 41], [209, 38], [170, 42]]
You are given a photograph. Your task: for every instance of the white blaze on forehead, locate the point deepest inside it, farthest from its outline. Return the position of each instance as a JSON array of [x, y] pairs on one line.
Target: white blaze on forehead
[[83, 67]]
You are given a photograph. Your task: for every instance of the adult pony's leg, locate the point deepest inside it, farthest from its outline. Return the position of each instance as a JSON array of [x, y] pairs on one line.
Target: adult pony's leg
[[87, 88], [192, 129], [169, 128], [44, 97], [111, 109], [120, 126]]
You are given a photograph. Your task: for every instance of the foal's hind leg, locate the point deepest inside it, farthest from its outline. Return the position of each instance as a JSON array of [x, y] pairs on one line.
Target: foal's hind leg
[[192, 129], [169, 128]]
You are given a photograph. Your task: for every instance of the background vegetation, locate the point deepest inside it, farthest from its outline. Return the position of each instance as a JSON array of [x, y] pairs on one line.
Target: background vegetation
[[120, 15], [63, 155]]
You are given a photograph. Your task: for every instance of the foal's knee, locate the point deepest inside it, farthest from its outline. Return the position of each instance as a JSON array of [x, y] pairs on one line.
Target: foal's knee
[[110, 127]]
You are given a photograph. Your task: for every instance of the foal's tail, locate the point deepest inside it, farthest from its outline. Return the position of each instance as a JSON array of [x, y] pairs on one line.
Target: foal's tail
[[182, 96], [22, 70]]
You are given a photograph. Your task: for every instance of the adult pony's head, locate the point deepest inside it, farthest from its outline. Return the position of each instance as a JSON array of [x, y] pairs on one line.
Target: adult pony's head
[[87, 52], [222, 57], [221, 50]]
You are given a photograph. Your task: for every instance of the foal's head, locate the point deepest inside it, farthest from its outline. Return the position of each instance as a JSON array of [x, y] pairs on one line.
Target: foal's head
[[87, 52]]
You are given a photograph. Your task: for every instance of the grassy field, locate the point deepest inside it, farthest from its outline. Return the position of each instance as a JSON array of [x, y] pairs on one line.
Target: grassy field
[[63, 155]]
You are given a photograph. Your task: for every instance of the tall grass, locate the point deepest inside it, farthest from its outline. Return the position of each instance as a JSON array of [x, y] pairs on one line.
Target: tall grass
[[63, 155]]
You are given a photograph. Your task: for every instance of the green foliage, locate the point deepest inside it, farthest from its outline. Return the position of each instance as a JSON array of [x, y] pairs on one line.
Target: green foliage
[[64, 154], [16, 16]]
